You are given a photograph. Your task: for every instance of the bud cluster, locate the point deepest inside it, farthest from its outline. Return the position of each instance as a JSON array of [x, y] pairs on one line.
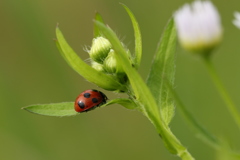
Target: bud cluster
[[104, 58]]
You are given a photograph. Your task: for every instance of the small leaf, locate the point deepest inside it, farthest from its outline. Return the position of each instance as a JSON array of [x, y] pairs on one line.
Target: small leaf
[[99, 18], [100, 79], [138, 38], [53, 109], [67, 108], [127, 103], [163, 69]]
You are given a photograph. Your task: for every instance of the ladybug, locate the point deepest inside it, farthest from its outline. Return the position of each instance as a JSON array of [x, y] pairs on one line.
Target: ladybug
[[89, 99]]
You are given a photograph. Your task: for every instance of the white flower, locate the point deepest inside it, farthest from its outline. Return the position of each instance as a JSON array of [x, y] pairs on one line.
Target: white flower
[[236, 21], [199, 26]]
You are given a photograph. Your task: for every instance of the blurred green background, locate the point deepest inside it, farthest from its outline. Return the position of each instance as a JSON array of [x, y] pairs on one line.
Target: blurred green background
[[32, 71]]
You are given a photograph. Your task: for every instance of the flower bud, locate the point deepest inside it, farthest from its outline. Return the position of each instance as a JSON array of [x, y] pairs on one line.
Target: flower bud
[[111, 65], [97, 66], [199, 26], [100, 49]]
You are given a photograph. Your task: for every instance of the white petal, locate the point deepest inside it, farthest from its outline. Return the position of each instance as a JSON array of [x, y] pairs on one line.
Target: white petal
[[237, 15], [236, 21], [198, 23]]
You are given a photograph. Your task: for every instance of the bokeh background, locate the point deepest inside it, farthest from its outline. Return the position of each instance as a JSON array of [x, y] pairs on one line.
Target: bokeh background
[[33, 72]]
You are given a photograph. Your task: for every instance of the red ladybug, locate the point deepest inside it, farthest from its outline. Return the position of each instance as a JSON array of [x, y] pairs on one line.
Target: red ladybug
[[89, 99]]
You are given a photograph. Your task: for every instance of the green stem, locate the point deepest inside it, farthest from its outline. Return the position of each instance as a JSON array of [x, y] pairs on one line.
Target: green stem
[[222, 91]]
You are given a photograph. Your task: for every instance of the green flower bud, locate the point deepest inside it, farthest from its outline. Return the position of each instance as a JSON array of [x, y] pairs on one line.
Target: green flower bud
[[97, 66], [111, 65], [100, 49]]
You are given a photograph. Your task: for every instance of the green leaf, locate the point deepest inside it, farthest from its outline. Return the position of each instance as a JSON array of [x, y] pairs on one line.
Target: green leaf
[[138, 38], [53, 109], [127, 103], [100, 79], [99, 18], [67, 108], [162, 70]]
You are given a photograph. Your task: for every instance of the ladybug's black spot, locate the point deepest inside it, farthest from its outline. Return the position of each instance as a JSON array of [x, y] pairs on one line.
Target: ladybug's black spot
[[87, 95], [81, 104], [94, 100]]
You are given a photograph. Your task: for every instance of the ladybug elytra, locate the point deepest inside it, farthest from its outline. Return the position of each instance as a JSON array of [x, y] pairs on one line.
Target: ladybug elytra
[[89, 99]]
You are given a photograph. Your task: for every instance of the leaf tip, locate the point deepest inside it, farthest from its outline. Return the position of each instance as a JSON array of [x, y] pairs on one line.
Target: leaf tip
[[57, 25], [57, 29], [26, 109], [122, 4], [97, 14]]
